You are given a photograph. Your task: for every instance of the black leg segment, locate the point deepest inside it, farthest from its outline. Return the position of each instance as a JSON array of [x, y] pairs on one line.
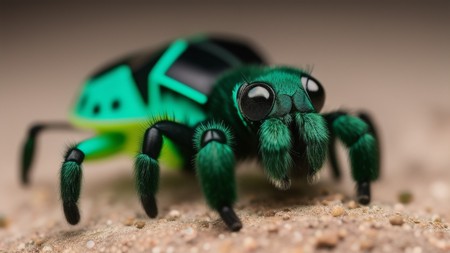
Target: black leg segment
[[146, 165], [230, 218], [363, 192], [29, 146]]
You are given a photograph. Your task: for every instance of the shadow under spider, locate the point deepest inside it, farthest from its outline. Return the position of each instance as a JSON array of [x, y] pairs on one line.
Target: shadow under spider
[[181, 187]]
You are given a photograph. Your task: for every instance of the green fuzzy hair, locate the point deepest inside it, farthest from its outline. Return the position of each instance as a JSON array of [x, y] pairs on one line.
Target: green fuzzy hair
[[71, 174], [277, 76], [275, 145], [314, 132], [146, 172], [363, 148], [215, 170]]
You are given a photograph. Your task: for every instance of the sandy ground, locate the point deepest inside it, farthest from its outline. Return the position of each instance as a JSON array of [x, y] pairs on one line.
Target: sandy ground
[[392, 59], [306, 218]]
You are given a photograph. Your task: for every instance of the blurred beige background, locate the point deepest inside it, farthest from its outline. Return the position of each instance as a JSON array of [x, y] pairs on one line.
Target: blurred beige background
[[389, 58]]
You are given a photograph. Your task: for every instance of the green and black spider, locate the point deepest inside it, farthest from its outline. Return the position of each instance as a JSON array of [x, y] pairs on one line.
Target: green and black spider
[[225, 104]]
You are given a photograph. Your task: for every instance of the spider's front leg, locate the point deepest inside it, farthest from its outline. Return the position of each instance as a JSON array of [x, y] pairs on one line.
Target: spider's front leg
[[358, 135], [215, 164], [146, 166], [71, 169]]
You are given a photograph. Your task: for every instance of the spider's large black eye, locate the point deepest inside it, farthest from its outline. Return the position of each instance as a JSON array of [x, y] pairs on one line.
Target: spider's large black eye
[[256, 100], [315, 91]]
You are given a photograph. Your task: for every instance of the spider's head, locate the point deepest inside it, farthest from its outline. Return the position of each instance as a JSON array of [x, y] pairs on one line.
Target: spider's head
[[275, 101], [278, 92]]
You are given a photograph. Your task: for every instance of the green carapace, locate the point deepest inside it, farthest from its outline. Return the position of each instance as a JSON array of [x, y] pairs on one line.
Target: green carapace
[[203, 103]]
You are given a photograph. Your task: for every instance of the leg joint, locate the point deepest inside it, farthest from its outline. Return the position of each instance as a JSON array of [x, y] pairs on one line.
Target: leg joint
[[213, 135], [75, 155], [153, 141], [331, 117], [35, 129]]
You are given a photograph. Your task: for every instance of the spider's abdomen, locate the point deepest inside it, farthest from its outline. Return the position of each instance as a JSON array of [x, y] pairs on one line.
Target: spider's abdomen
[[175, 80]]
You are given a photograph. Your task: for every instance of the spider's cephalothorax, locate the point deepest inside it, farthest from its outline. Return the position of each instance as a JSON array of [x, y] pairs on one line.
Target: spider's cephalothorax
[[225, 105]]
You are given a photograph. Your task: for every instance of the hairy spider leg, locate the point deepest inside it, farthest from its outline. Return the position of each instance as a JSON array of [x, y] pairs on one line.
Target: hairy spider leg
[[334, 161], [369, 121], [274, 150], [215, 162], [357, 135], [146, 167], [71, 169], [29, 147]]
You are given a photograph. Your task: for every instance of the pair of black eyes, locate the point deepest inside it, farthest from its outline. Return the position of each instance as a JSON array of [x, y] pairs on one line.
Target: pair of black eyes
[[256, 100]]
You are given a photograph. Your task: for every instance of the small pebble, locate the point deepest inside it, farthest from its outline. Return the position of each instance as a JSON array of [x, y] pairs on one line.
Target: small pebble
[[39, 241], [129, 221], [204, 224], [396, 220], [189, 234], [337, 211], [47, 249], [90, 244], [250, 244], [173, 215], [405, 197], [436, 218], [269, 213], [287, 226], [366, 245], [139, 224], [272, 228], [352, 204], [342, 233], [285, 216], [328, 241]]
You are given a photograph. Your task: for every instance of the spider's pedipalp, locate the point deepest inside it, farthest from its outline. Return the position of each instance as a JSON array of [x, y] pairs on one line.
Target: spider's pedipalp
[[274, 150], [313, 130]]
